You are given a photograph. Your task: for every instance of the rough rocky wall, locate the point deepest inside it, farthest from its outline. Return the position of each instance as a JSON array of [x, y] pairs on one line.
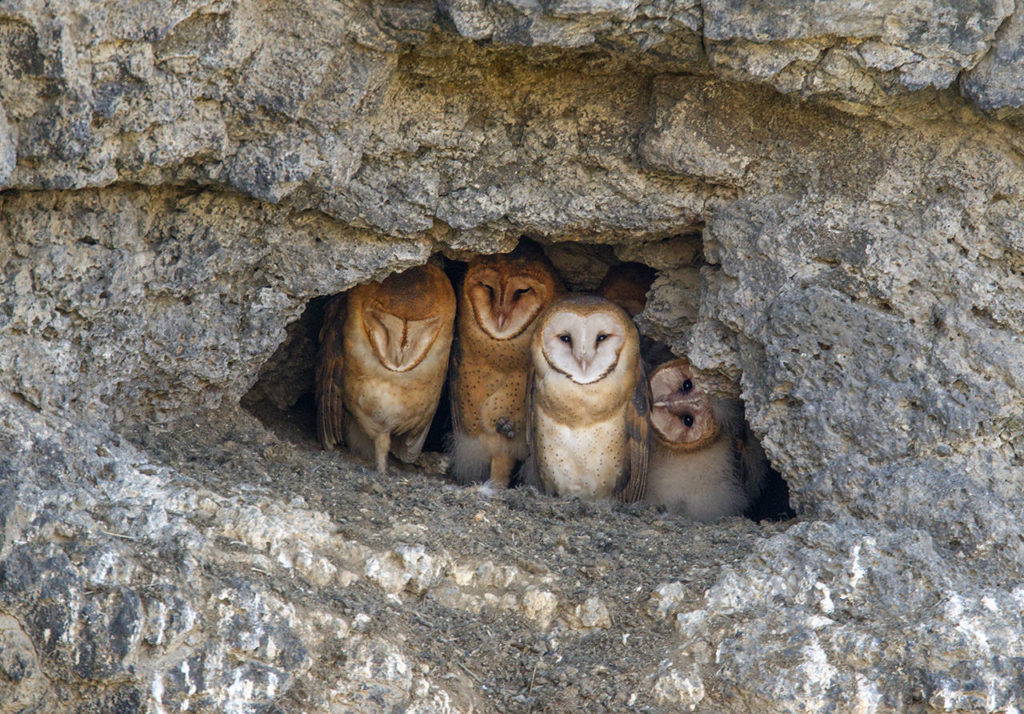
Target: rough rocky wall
[[181, 178]]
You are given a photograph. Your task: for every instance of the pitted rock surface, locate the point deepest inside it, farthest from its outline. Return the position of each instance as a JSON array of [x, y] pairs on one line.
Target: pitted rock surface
[[831, 193]]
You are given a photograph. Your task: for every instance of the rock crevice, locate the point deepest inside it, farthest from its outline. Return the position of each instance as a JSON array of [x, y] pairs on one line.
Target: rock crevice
[[832, 198]]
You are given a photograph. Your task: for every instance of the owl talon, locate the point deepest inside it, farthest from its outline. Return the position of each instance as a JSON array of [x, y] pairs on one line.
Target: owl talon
[[500, 297], [506, 428]]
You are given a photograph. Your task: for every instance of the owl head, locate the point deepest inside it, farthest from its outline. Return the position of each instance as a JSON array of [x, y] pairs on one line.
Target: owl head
[[404, 314], [507, 292], [683, 412], [585, 337], [626, 285]]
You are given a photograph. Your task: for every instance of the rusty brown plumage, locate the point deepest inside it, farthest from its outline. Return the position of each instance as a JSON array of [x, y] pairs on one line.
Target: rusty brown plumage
[[499, 300]]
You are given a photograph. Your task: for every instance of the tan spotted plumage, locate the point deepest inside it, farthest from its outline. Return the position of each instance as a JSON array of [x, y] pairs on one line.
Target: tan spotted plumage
[[383, 358], [588, 402], [499, 301]]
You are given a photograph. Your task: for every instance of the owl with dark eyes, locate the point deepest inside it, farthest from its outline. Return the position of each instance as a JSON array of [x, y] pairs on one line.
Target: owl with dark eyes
[[704, 463], [500, 298], [383, 358], [588, 402]]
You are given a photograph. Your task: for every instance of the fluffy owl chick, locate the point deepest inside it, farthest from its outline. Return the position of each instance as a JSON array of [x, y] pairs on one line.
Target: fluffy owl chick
[[589, 402], [382, 362], [499, 301], [699, 463]]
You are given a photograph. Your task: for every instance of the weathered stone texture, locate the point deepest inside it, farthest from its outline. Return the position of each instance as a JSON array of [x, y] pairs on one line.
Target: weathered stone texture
[[854, 50], [832, 194], [8, 155], [111, 294], [994, 84]]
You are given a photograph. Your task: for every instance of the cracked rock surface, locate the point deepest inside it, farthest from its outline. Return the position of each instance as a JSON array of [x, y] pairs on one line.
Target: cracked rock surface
[[832, 195]]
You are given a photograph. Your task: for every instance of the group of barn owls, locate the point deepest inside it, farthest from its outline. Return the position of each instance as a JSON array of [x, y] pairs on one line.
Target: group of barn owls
[[553, 381]]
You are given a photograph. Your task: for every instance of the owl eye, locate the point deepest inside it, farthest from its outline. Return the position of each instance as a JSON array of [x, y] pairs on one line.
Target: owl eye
[[490, 290], [688, 419], [601, 338], [564, 337], [520, 292], [687, 386]]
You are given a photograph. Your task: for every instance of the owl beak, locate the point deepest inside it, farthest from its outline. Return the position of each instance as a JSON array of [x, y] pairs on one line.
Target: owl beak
[[584, 358], [500, 319], [678, 404], [397, 354]]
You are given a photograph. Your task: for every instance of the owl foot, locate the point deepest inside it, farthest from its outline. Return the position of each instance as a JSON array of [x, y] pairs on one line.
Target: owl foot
[[506, 428]]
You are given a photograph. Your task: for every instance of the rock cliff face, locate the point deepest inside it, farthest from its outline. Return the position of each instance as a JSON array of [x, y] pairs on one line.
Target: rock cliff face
[[833, 197]]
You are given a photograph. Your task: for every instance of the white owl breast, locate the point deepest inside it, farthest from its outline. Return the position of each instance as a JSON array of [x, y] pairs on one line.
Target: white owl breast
[[583, 461]]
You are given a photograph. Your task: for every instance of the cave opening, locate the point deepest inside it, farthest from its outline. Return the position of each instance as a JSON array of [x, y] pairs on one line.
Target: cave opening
[[284, 396]]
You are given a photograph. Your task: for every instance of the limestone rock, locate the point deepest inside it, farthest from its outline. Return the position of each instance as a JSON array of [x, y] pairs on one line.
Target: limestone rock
[[858, 52], [831, 193], [696, 133], [666, 31], [8, 153], [996, 83], [145, 573]]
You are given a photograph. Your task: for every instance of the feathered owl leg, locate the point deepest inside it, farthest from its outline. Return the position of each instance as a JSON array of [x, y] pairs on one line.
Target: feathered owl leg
[[501, 471], [358, 441], [381, 446], [409, 446]]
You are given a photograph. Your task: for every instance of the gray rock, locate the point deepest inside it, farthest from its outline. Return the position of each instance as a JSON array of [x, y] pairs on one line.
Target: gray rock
[[695, 132], [996, 83], [215, 566], [919, 45], [820, 576], [8, 154], [110, 294], [837, 233], [662, 31], [895, 401]]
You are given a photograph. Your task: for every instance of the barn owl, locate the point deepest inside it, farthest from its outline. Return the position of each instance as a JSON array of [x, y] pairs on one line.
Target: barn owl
[[382, 362], [589, 402], [704, 461], [626, 285], [499, 301]]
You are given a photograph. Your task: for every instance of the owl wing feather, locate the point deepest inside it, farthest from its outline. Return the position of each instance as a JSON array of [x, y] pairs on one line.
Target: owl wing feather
[[633, 485], [753, 464], [409, 446], [464, 466], [750, 460], [330, 362]]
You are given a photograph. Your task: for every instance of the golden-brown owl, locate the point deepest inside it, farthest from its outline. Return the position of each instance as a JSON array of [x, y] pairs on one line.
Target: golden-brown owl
[[626, 285], [589, 402], [382, 362], [499, 301], [704, 462]]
